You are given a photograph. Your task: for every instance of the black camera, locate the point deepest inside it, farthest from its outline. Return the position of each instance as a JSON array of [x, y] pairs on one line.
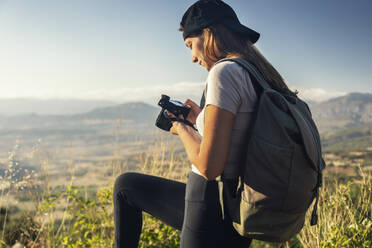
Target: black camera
[[164, 121]]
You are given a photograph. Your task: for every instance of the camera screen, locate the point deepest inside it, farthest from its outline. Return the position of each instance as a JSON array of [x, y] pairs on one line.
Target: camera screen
[[178, 103]]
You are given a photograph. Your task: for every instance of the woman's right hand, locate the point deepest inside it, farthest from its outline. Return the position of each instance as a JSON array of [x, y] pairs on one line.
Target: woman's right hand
[[194, 112]]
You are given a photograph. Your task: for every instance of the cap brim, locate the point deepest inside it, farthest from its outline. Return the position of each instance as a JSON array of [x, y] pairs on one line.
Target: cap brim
[[243, 30]]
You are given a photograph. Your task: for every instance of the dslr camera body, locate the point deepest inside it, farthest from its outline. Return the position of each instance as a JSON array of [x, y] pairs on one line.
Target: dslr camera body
[[177, 108]]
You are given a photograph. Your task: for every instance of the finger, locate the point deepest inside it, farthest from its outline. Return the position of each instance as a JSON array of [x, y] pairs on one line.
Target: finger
[[191, 103], [172, 131], [171, 115]]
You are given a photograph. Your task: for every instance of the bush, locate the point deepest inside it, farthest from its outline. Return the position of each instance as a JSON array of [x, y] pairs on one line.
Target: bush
[[156, 234]]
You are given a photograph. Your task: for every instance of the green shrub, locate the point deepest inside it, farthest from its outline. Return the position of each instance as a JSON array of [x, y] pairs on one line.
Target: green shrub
[[91, 223], [156, 234]]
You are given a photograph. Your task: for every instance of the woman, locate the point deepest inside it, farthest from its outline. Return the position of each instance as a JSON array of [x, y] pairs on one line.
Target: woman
[[212, 31]]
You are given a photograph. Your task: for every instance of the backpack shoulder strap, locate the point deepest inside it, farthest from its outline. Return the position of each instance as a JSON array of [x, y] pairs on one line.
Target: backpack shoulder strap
[[250, 68]]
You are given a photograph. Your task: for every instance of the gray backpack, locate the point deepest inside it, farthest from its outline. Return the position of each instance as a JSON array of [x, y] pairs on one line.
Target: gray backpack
[[283, 167]]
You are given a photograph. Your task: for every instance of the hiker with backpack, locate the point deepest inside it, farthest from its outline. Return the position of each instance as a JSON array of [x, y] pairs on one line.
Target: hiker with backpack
[[257, 167]]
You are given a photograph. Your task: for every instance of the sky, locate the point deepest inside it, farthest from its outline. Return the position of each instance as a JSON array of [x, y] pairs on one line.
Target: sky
[[122, 51]]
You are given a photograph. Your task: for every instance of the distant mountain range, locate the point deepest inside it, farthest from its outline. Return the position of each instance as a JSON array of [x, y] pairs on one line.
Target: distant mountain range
[[347, 111], [133, 113]]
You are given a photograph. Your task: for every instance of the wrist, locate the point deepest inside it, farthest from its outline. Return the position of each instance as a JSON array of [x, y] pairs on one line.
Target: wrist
[[182, 127]]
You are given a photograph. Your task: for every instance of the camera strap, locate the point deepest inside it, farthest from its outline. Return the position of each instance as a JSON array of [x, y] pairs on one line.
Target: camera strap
[[202, 100], [183, 121]]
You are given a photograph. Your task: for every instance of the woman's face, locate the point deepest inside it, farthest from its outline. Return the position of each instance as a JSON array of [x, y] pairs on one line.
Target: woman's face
[[196, 45]]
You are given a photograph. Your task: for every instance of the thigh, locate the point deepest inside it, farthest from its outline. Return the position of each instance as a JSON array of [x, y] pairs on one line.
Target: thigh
[[160, 197], [204, 225]]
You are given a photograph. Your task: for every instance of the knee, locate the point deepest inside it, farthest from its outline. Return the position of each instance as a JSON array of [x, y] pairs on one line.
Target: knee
[[125, 181]]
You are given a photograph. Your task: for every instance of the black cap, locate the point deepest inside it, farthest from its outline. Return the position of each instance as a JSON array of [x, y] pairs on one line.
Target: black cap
[[204, 13]]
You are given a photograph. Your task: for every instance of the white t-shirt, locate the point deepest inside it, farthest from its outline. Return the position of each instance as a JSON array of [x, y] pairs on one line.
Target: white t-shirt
[[229, 87]]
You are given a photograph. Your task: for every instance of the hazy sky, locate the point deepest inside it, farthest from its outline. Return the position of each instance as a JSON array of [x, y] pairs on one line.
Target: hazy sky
[[131, 50]]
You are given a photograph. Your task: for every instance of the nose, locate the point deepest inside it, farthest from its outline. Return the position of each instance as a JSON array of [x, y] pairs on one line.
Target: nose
[[194, 59]]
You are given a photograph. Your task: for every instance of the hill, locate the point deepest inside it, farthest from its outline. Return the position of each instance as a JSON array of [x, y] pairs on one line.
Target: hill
[[136, 113], [354, 109], [348, 139]]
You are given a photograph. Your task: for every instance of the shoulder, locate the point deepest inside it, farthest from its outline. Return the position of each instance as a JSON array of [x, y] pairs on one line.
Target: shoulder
[[229, 86], [225, 68], [227, 72]]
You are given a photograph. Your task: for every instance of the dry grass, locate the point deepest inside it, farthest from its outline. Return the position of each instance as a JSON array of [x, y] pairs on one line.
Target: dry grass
[[344, 215], [70, 218]]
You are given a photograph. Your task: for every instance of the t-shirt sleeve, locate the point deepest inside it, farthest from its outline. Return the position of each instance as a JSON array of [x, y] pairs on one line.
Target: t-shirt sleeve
[[223, 86]]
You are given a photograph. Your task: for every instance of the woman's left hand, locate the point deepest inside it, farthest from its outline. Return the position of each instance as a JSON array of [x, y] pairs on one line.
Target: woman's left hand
[[176, 125]]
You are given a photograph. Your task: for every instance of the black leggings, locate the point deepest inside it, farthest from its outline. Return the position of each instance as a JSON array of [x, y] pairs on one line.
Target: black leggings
[[193, 208]]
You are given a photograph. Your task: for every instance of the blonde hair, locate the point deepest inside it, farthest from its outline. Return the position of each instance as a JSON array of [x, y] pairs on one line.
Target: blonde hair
[[220, 42]]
